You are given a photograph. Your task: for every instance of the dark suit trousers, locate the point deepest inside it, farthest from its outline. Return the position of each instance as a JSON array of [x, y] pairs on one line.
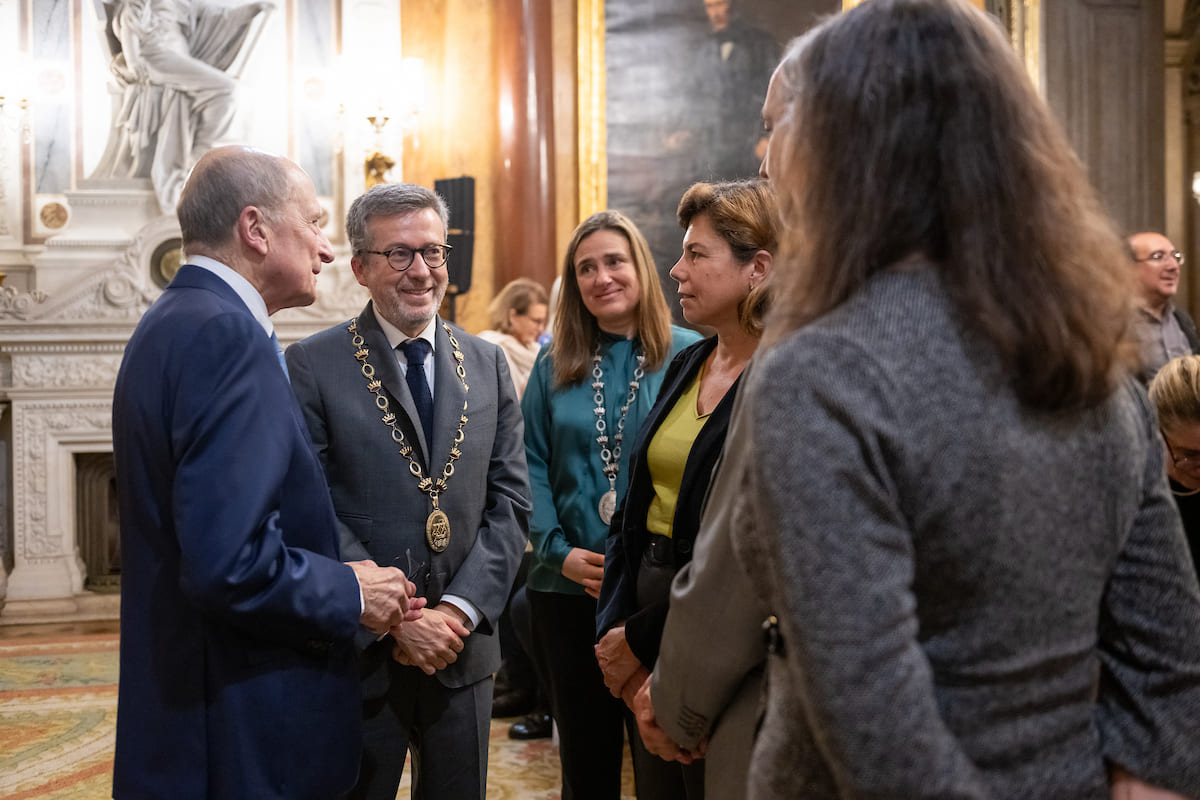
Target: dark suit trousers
[[446, 730], [591, 721]]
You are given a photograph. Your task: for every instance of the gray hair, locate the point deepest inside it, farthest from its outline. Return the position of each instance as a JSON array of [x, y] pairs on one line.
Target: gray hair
[[390, 200], [225, 182]]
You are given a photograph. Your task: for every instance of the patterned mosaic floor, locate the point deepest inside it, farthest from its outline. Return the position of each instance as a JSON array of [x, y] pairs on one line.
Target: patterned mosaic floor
[[58, 709]]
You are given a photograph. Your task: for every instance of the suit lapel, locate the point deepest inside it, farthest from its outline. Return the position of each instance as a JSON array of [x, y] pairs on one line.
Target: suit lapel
[[448, 396], [387, 370]]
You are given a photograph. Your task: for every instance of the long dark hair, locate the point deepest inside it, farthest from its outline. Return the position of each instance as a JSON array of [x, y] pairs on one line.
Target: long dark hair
[[915, 130]]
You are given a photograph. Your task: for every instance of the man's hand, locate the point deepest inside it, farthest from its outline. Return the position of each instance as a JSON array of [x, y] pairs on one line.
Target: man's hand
[[655, 738], [432, 642], [585, 568], [617, 661], [387, 596]]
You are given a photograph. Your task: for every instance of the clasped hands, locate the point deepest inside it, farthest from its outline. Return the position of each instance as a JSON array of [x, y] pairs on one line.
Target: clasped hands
[[432, 642], [628, 679], [389, 599]]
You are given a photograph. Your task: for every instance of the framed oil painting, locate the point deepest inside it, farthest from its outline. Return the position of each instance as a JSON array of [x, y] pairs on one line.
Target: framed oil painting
[[683, 82], [671, 92]]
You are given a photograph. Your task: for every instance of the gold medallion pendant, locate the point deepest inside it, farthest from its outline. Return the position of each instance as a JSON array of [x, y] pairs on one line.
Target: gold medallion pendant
[[437, 531]]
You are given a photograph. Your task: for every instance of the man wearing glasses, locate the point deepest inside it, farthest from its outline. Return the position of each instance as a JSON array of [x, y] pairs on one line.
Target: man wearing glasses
[[419, 430], [1164, 331]]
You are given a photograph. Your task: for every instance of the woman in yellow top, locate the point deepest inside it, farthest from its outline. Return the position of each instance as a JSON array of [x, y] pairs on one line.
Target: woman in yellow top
[[722, 275]]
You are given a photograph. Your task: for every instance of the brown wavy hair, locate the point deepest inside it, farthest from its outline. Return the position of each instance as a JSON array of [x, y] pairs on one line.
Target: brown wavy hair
[[576, 330], [917, 132], [743, 213]]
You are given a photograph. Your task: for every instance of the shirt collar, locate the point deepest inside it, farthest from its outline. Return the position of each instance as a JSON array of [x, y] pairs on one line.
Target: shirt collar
[[1170, 308], [397, 337], [239, 284]]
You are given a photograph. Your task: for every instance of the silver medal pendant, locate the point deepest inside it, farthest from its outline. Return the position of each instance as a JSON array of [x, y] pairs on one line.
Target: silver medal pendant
[[608, 506]]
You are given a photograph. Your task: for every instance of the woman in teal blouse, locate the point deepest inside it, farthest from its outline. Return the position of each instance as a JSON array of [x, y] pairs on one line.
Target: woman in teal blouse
[[586, 398]]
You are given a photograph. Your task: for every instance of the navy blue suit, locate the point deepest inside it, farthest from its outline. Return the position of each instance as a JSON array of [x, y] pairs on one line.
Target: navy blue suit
[[237, 618]]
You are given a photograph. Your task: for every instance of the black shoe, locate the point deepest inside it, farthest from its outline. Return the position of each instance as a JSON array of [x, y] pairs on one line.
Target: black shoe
[[537, 725], [512, 704]]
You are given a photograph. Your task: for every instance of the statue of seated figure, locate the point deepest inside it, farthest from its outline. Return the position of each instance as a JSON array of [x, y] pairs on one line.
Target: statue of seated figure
[[170, 62]]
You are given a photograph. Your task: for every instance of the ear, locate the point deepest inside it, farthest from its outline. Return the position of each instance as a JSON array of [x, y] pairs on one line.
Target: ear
[[252, 230], [760, 267], [359, 269], [512, 314]]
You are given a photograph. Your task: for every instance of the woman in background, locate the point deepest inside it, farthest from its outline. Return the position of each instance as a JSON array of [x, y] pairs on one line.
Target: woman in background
[[518, 317], [590, 389], [730, 235], [958, 511], [1175, 392]]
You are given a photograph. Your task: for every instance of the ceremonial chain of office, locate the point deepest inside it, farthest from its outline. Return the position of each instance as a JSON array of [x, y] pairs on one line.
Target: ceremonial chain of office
[[437, 526], [611, 459]]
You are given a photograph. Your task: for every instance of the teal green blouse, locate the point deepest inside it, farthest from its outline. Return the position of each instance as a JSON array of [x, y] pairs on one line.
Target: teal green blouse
[[565, 470]]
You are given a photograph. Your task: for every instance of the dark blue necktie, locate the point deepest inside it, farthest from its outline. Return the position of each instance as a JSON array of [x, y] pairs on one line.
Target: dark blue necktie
[[279, 352], [415, 350]]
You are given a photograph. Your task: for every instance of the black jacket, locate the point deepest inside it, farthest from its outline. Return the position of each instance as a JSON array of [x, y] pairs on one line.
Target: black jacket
[[627, 535]]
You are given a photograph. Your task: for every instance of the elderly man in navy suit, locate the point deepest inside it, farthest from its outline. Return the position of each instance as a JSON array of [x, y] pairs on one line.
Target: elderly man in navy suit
[[237, 614], [418, 427]]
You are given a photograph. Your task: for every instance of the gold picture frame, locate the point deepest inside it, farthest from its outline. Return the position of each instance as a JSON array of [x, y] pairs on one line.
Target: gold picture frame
[[1022, 20]]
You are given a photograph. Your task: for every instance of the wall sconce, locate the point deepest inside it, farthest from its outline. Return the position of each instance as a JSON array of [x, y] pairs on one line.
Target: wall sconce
[[409, 105], [1196, 186]]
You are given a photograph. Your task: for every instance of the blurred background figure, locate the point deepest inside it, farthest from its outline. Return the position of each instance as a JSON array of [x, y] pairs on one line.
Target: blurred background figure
[[733, 65], [1175, 391], [957, 510], [590, 390], [1163, 331], [730, 235], [518, 318]]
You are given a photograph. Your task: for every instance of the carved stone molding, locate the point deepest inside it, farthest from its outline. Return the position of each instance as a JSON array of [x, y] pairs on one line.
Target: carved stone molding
[[19, 304], [65, 372], [44, 433]]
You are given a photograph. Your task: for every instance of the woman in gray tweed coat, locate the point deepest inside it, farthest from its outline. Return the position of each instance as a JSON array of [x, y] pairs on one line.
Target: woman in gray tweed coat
[[957, 497]]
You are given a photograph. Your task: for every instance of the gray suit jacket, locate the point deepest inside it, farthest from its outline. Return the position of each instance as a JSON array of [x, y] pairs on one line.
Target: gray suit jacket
[[381, 509], [707, 681]]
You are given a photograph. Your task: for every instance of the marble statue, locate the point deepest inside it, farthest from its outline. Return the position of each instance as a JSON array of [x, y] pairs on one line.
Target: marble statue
[[171, 61]]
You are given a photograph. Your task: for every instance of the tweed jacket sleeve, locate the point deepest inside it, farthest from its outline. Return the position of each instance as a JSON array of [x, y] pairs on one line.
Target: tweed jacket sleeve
[[1149, 705]]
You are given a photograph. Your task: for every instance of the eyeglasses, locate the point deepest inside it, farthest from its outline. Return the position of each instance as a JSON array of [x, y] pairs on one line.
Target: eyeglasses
[[401, 258], [1189, 461], [1159, 255]]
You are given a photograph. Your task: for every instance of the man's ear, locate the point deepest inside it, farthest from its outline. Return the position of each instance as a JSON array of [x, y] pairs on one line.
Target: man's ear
[[252, 230], [359, 269]]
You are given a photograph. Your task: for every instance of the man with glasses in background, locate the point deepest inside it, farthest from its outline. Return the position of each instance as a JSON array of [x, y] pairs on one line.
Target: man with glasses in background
[[1164, 331], [418, 427]]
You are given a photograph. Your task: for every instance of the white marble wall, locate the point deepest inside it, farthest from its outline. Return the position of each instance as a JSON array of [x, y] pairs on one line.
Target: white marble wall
[[76, 253]]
